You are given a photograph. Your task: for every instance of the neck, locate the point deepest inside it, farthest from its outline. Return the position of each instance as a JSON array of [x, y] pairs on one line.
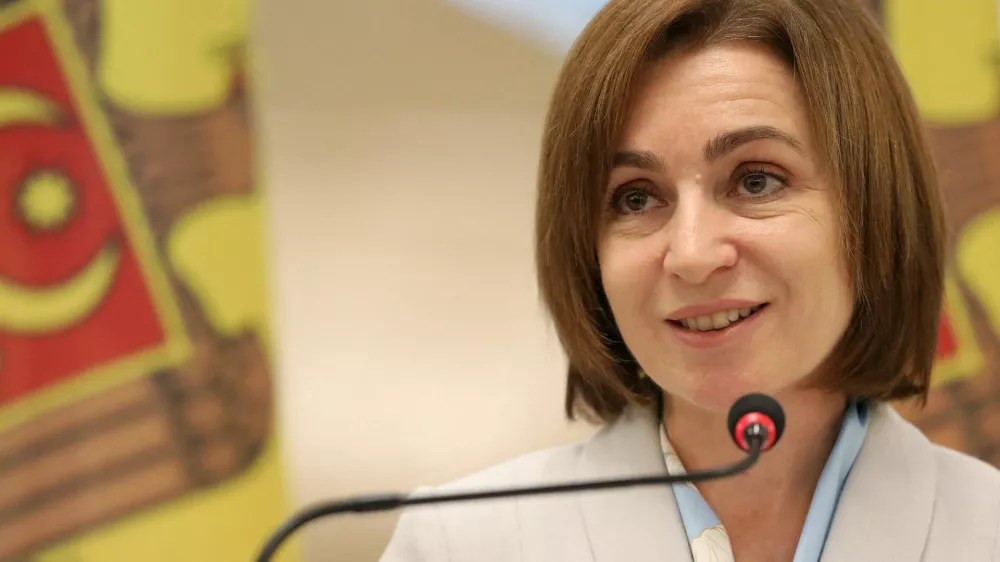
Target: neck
[[776, 492]]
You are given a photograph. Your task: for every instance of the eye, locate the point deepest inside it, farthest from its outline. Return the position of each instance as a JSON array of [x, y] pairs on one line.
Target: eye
[[633, 200], [759, 183]]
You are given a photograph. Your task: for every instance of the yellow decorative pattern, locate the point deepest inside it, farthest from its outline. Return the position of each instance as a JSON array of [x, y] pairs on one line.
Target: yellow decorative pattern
[[978, 257], [172, 58], [46, 201], [18, 107], [36, 310], [948, 51]]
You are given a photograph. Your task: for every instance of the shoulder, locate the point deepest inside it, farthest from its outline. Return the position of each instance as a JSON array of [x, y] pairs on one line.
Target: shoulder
[[966, 515], [952, 470], [963, 485], [961, 471], [966, 511], [445, 532], [968, 489], [505, 528], [533, 468], [908, 498]]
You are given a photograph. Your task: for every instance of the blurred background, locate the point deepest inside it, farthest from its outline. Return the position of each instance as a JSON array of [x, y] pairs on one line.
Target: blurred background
[[254, 254]]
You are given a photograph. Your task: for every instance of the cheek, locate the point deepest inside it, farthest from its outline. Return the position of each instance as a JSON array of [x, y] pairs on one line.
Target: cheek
[[822, 281], [820, 247], [630, 272], [803, 250]]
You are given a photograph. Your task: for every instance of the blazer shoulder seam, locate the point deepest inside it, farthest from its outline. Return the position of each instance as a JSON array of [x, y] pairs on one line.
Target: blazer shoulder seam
[[430, 515], [996, 536], [439, 520]]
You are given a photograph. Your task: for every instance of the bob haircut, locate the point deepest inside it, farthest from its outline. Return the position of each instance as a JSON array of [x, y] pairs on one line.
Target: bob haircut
[[867, 128]]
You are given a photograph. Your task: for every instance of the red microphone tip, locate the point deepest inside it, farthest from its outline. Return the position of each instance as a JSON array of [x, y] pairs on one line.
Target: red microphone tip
[[741, 433], [756, 415]]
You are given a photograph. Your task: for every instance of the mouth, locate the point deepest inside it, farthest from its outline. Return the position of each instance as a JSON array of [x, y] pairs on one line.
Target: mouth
[[717, 321]]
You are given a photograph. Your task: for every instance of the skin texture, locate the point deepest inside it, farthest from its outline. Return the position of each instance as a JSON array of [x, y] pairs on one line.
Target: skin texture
[[692, 220]]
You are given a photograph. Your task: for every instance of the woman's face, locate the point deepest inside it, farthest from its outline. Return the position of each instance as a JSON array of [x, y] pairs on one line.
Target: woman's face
[[720, 241]]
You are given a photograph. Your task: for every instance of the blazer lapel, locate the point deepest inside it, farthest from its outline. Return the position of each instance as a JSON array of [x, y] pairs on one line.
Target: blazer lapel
[[637, 524], [885, 509]]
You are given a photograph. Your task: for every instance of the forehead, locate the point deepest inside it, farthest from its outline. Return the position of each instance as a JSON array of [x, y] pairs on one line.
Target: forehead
[[701, 92]]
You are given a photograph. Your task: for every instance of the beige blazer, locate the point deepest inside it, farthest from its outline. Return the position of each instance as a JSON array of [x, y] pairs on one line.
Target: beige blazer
[[905, 500]]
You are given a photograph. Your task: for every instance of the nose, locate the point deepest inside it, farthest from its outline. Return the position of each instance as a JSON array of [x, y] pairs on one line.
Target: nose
[[700, 242]]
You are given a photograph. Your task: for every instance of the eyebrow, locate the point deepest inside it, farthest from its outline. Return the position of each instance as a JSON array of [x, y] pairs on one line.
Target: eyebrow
[[722, 144], [641, 159]]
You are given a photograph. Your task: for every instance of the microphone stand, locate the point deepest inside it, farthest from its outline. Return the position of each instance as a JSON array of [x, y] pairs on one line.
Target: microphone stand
[[394, 501]]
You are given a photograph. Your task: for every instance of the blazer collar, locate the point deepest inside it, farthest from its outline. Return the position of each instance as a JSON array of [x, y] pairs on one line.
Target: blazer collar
[[637, 524], [886, 506]]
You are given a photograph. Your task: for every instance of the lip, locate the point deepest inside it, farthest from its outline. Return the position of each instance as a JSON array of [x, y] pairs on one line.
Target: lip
[[711, 308], [717, 338]]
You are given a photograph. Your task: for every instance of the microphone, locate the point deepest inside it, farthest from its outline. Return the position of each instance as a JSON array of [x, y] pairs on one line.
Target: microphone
[[756, 423]]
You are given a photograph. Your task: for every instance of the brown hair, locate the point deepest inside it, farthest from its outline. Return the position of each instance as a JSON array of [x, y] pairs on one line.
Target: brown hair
[[867, 127]]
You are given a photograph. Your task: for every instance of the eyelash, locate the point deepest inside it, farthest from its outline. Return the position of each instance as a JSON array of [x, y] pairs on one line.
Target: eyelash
[[614, 202]]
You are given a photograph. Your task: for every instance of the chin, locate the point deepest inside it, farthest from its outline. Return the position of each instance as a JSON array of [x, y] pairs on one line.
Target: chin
[[718, 402], [716, 392]]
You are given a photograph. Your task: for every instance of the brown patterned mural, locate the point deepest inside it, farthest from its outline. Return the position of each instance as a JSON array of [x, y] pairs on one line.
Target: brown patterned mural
[[134, 346], [965, 413], [950, 53]]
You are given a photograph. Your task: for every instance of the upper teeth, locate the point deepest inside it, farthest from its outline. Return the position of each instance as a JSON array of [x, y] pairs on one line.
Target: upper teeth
[[718, 320]]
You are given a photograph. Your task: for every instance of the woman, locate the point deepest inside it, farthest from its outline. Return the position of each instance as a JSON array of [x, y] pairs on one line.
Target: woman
[[735, 196]]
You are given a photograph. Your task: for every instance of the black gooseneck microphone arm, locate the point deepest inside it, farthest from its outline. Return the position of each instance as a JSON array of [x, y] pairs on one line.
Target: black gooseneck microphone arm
[[756, 422], [393, 501]]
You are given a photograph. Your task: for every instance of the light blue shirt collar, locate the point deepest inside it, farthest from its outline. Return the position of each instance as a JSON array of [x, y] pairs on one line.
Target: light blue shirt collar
[[708, 537]]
